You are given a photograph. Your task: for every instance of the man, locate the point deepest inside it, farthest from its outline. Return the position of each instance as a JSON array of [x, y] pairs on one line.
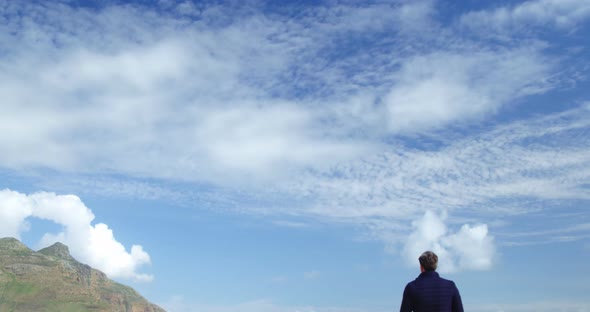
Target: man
[[429, 292]]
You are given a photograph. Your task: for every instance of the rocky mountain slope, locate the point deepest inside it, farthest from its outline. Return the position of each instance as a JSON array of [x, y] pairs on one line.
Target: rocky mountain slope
[[52, 280]]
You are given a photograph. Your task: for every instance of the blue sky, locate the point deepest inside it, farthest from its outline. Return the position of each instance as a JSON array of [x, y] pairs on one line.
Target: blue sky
[[299, 156]]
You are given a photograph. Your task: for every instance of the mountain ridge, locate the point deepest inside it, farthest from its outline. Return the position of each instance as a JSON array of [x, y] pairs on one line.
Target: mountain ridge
[[52, 280], [58, 250]]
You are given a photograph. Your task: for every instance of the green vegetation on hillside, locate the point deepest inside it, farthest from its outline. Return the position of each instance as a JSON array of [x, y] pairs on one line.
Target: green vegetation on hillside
[[52, 280]]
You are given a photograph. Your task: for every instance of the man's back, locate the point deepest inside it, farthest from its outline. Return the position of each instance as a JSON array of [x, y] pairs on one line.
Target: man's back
[[431, 293]]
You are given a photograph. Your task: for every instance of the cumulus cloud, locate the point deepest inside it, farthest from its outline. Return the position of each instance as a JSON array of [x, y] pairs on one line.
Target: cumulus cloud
[[91, 244], [469, 248]]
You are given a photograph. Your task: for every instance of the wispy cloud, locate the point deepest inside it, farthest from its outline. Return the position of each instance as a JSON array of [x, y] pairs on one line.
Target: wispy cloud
[[137, 91], [541, 13], [439, 89], [498, 172], [128, 90], [571, 232], [291, 111]]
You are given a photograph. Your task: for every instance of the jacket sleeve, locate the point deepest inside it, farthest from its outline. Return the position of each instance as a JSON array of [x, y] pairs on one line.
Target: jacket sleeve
[[457, 304], [407, 301]]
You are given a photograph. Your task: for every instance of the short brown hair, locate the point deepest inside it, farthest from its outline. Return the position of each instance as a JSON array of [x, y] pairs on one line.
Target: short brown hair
[[428, 260]]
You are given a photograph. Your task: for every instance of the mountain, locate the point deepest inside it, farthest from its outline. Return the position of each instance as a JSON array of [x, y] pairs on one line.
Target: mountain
[[52, 280]]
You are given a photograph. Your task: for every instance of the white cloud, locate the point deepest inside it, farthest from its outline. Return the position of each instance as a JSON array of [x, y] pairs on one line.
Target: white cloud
[[272, 104], [560, 13], [436, 90], [260, 140], [15, 208], [493, 172], [249, 101], [559, 233], [91, 244], [181, 99], [173, 101], [470, 248], [291, 224]]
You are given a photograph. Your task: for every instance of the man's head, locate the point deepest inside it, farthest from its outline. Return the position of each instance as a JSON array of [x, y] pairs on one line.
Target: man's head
[[428, 261]]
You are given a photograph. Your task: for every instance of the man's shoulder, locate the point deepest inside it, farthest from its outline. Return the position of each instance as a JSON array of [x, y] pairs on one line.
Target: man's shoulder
[[447, 281], [432, 278], [411, 284]]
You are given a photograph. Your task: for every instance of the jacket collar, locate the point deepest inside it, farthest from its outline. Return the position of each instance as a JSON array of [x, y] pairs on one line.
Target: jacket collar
[[428, 274]]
